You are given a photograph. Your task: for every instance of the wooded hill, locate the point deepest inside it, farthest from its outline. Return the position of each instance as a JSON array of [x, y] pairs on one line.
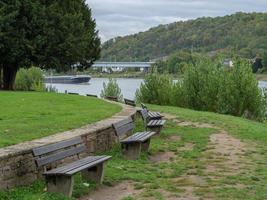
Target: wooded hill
[[242, 33]]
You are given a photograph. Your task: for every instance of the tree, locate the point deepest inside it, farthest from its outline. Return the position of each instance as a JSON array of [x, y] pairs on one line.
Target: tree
[[264, 61], [111, 89], [45, 33]]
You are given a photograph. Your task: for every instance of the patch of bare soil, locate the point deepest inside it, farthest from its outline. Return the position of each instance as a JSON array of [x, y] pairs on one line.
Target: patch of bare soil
[[174, 138], [224, 155], [187, 147], [162, 157], [117, 192], [187, 123]]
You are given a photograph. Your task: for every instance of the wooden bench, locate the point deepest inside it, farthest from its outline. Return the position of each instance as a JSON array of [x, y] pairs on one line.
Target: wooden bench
[[73, 93], [60, 179], [132, 145], [152, 115], [91, 95], [112, 98], [154, 125], [129, 102]]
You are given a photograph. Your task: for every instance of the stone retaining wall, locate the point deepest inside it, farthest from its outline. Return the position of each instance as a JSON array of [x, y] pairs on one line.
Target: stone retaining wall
[[17, 165]]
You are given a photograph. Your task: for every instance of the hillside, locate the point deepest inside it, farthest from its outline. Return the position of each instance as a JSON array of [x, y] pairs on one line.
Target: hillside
[[244, 33]]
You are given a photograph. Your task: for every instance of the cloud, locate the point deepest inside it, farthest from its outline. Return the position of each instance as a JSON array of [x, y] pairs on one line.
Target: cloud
[[123, 17]]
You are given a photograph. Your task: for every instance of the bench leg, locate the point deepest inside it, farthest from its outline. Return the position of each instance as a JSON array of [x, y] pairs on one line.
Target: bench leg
[[95, 174], [145, 145], [60, 184], [156, 129], [131, 151]]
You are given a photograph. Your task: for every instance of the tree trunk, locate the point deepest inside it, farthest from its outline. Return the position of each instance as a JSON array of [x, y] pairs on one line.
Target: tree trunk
[[9, 75]]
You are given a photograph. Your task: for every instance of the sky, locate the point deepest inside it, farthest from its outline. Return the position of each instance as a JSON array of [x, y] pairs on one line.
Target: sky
[[124, 17]]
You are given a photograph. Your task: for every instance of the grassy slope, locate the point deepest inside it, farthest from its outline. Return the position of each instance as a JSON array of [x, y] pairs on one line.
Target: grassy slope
[[27, 116], [151, 178]]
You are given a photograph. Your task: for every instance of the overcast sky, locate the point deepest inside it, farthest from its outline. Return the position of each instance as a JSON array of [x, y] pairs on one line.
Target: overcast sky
[[124, 17]]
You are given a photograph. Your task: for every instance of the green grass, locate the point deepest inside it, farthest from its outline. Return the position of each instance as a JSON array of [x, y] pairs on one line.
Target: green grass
[[25, 116], [150, 179]]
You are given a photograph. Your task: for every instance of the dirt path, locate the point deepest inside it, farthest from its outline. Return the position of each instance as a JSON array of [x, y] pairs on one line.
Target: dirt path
[[224, 156], [117, 192]]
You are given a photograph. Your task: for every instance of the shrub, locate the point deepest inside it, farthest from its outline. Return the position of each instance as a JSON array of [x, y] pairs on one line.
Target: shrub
[[111, 89], [209, 86], [156, 89], [30, 79]]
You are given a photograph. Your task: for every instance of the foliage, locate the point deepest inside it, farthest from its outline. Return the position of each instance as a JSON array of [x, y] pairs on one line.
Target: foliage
[[156, 89], [243, 33], [264, 60], [209, 86], [26, 116], [47, 34], [111, 89], [30, 80]]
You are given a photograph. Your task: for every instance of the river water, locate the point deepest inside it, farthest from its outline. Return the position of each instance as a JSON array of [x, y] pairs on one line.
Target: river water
[[128, 86]]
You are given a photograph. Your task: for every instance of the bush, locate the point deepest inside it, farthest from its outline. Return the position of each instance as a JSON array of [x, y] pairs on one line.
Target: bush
[[156, 89], [209, 86], [111, 89], [30, 80]]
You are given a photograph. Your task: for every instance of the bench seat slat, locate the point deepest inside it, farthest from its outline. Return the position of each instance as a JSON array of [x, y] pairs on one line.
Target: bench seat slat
[[60, 155], [92, 164], [78, 166], [54, 147], [154, 115], [155, 123], [139, 137], [73, 164]]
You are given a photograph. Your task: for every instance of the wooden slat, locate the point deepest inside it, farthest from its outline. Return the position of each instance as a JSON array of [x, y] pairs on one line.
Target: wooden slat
[[139, 137], [122, 123], [78, 166], [92, 95], [89, 165], [143, 106], [112, 98], [144, 114], [155, 123], [73, 93], [130, 102], [123, 127], [68, 167], [56, 146], [60, 155]]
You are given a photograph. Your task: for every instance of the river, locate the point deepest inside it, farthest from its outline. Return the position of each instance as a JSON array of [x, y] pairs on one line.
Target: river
[[128, 86]]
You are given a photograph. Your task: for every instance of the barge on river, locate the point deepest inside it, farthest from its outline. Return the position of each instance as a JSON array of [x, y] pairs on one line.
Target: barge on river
[[68, 79]]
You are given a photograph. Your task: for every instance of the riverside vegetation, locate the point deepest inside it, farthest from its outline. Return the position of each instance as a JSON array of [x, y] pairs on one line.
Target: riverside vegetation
[[111, 89], [209, 86]]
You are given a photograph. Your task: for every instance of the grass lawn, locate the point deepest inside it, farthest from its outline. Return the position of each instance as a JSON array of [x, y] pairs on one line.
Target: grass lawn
[[26, 116], [188, 172]]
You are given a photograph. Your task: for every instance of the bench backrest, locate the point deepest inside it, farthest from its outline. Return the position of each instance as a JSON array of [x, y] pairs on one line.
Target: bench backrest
[[54, 152], [130, 102], [92, 95], [143, 106], [144, 114], [124, 128], [112, 98], [73, 93]]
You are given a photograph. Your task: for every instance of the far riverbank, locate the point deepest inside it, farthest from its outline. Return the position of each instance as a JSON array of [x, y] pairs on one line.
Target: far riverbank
[[260, 77]]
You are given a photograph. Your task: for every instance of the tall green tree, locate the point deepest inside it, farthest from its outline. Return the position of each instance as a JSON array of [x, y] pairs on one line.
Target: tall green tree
[[264, 61], [46, 33]]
